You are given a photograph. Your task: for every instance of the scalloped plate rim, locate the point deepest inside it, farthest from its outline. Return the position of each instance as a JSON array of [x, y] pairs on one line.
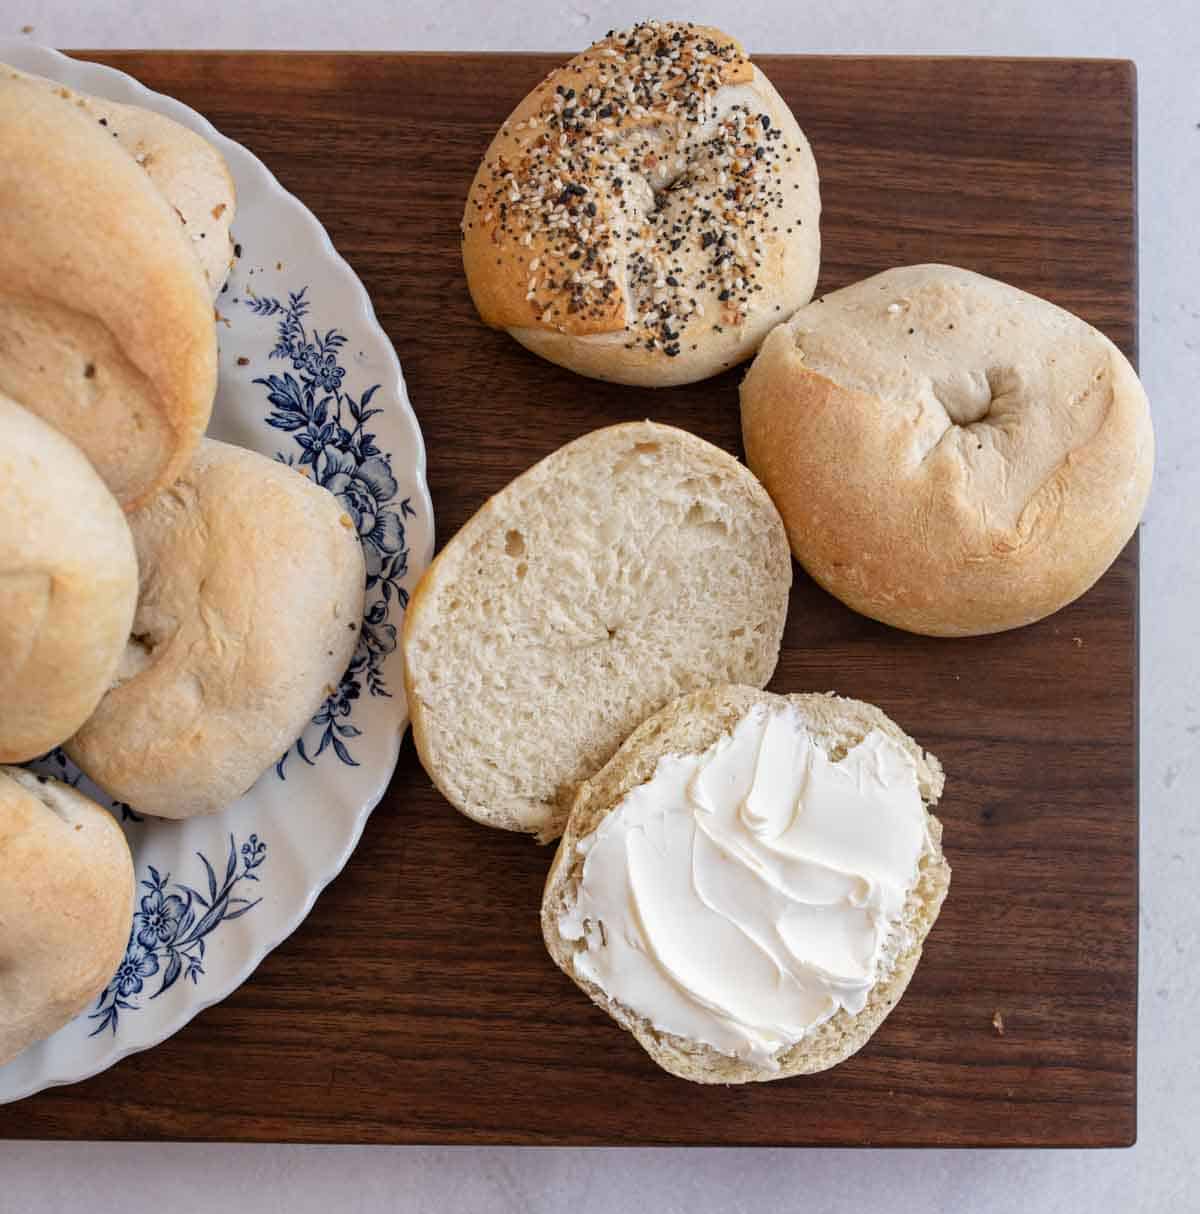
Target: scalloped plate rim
[[98, 78]]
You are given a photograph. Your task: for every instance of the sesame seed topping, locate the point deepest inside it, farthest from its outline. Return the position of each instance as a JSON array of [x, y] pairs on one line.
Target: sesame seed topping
[[642, 190]]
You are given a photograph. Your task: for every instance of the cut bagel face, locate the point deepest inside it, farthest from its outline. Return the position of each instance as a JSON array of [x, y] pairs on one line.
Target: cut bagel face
[[633, 564], [670, 946]]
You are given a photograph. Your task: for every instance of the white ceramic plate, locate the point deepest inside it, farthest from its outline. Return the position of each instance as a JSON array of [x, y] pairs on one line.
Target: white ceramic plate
[[307, 375]]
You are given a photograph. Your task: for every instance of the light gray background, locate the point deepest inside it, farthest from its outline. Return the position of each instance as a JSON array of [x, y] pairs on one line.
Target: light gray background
[[1160, 1173]]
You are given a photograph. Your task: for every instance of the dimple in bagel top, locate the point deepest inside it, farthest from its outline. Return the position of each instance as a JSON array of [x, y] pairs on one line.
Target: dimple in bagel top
[[743, 896], [949, 454], [636, 191]]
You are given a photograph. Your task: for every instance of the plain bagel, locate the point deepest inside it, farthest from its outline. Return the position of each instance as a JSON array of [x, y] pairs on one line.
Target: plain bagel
[[950, 455], [68, 585], [185, 168], [252, 584], [66, 902], [648, 213], [106, 321]]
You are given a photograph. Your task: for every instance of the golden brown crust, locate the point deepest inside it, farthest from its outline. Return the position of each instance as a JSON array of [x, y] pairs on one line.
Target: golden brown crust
[[106, 324], [66, 901], [524, 160], [688, 726], [68, 586], [643, 193], [910, 504], [525, 670], [240, 633], [185, 168]]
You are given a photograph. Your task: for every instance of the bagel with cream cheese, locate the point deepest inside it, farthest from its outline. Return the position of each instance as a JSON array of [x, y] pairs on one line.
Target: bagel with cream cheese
[[648, 213], [747, 884], [950, 455], [251, 598]]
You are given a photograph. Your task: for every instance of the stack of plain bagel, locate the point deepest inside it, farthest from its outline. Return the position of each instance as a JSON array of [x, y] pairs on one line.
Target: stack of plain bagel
[[941, 451], [157, 617]]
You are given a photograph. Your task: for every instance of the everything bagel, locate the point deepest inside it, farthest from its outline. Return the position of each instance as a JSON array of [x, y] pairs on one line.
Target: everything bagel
[[648, 213]]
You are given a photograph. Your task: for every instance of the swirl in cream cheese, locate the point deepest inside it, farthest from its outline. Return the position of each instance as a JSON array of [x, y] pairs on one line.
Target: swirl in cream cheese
[[742, 896]]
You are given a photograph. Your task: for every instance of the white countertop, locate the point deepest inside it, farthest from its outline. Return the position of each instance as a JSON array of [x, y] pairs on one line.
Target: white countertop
[[1161, 1173]]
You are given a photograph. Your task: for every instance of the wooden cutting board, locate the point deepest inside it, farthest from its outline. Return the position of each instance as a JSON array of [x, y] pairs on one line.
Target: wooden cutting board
[[416, 1004]]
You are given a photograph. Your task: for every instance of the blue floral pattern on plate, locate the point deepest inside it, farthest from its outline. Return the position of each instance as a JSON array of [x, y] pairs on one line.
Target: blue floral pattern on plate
[[169, 930], [173, 921], [339, 452]]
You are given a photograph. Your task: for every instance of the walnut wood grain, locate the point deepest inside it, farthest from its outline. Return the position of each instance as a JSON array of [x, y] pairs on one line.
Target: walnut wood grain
[[416, 1003]]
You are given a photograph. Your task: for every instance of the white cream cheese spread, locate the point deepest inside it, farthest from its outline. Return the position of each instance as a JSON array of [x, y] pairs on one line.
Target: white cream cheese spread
[[742, 896]]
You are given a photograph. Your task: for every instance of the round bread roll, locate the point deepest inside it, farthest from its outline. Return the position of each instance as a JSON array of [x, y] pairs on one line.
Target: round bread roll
[[689, 726], [66, 903], [631, 565], [185, 168], [252, 584], [950, 455], [68, 585], [648, 213], [106, 322]]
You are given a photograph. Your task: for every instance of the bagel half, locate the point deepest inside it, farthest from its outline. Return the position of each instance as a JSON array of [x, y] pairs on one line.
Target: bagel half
[[106, 322], [252, 584], [629, 566], [950, 455], [648, 213], [185, 168], [68, 586], [689, 726], [66, 903]]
